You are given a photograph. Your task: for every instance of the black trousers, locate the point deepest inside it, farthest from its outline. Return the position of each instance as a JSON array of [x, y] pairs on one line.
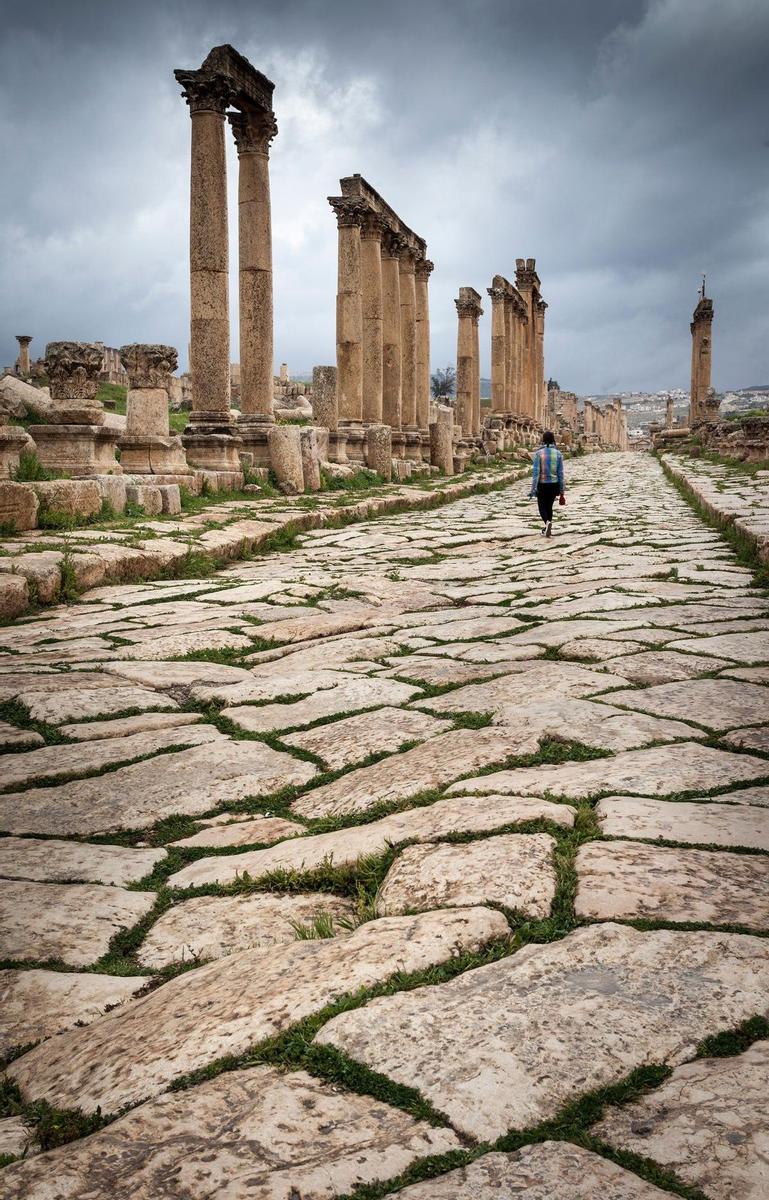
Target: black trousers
[[546, 494]]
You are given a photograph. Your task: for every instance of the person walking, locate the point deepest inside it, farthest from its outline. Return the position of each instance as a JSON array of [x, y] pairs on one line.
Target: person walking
[[547, 480]]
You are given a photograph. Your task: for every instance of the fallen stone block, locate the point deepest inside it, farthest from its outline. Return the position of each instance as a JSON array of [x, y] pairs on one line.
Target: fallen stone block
[[170, 497], [147, 496], [71, 497], [18, 507], [113, 491]]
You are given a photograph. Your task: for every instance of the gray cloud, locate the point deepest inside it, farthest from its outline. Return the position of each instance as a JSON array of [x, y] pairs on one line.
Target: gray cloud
[[623, 143]]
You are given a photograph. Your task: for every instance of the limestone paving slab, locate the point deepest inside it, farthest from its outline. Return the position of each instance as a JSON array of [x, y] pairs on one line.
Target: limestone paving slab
[[17, 1137], [707, 1123], [658, 771], [178, 674], [547, 1171], [213, 926], [508, 1044], [350, 740], [262, 830], [12, 737], [77, 702], [120, 727], [716, 703], [523, 685], [477, 814], [188, 782], [599, 725], [348, 695], [752, 647], [256, 1133], [172, 644], [47, 859], [85, 758], [514, 870], [37, 1004], [632, 879], [661, 666], [421, 668], [751, 739], [233, 1003], [721, 824], [72, 922]]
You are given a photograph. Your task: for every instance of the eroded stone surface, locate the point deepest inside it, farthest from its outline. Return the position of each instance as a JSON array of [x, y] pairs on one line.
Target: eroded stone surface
[[263, 830], [349, 695], [213, 926], [255, 1133], [17, 1137], [37, 1004], [72, 922], [506, 1045], [707, 1123], [189, 781], [52, 860], [716, 703], [632, 879], [514, 870], [230, 1004], [386, 729], [720, 824], [77, 702], [547, 1171], [12, 737], [430, 823], [89, 731]]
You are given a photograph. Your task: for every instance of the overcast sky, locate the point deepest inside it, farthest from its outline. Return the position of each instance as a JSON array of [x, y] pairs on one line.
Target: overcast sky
[[623, 143]]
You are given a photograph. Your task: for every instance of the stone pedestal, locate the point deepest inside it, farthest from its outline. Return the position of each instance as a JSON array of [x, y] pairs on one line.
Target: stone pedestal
[[356, 441], [147, 447], [379, 454], [77, 450], [13, 441], [413, 447], [441, 441], [253, 431], [337, 447], [324, 397], [398, 439], [286, 458], [77, 442], [310, 459]]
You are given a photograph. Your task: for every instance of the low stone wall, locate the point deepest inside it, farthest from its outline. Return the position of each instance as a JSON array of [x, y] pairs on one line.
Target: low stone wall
[[746, 438], [730, 497]]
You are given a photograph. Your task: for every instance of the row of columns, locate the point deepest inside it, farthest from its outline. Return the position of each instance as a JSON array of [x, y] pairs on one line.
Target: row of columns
[[517, 345], [383, 326], [212, 439]]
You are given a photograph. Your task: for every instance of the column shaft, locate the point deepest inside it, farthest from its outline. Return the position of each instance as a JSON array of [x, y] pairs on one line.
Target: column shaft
[[498, 349], [391, 334], [509, 354], [349, 314], [423, 269], [476, 379], [209, 303], [371, 284], [408, 341], [465, 373]]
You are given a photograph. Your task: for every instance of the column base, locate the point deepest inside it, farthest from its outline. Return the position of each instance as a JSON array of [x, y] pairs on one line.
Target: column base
[[150, 454], [253, 428], [213, 449], [399, 443], [337, 447], [77, 450], [413, 444], [356, 442]]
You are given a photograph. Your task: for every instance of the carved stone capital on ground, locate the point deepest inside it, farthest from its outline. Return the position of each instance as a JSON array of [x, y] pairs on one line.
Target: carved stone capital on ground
[[205, 92], [348, 210], [73, 369], [253, 130], [424, 268], [148, 365]]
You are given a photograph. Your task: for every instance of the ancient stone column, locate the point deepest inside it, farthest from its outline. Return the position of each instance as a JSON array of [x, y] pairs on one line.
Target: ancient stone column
[[310, 458], [391, 339], [371, 231], [468, 306], [541, 387], [701, 329], [409, 353], [76, 440], [210, 437], [498, 345], [477, 374], [349, 324], [442, 440], [286, 458], [379, 451], [510, 324], [423, 271], [324, 397], [253, 131], [23, 364], [146, 447], [669, 413]]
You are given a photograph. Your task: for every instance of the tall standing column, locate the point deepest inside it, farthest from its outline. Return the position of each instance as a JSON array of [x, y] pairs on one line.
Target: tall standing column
[[349, 324], [371, 286], [498, 346], [208, 97], [468, 310], [424, 269], [408, 339], [391, 340], [477, 374], [22, 362], [701, 328], [509, 352], [541, 389], [253, 131]]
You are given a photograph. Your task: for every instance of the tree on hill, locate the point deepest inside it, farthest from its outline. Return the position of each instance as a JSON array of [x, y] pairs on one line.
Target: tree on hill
[[443, 383]]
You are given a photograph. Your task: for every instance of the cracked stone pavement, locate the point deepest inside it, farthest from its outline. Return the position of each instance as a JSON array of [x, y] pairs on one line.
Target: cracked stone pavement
[[346, 869]]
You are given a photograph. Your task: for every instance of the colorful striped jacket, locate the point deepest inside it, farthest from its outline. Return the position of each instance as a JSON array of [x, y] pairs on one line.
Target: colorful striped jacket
[[548, 468]]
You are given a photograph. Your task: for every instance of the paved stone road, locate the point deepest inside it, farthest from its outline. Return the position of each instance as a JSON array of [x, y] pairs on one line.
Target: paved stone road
[[510, 795]]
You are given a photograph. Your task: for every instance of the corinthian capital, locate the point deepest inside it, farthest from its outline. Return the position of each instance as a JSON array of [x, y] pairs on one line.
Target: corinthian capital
[[498, 294], [73, 369], [424, 268], [205, 92], [392, 244], [148, 366], [253, 130], [372, 226], [348, 210]]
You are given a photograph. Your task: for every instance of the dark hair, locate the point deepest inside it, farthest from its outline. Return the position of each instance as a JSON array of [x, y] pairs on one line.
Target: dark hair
[[548, 438]]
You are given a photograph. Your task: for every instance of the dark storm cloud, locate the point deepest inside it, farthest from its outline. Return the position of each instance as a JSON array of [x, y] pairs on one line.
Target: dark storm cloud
[[622, 143]]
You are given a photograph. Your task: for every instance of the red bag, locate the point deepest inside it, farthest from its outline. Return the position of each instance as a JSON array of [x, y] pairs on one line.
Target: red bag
[[561, 499]]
